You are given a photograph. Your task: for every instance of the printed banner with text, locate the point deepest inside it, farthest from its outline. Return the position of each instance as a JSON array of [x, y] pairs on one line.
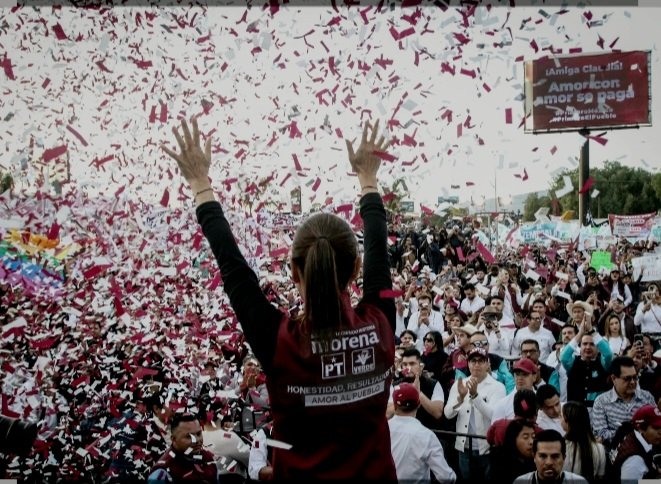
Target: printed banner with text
[[634, 226], [585, 91]]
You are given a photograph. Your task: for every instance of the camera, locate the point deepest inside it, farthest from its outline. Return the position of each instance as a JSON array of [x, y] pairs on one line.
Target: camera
[[17, 436]]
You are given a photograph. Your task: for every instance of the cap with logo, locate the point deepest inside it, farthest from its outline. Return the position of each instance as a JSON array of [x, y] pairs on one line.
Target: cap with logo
[[406, 395], [647, 414], [478, 352]]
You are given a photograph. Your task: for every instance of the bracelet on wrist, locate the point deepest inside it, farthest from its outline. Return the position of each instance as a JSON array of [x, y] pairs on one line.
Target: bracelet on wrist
[[202, 191]]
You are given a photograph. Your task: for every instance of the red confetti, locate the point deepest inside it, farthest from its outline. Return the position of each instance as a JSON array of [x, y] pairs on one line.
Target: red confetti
[[165, 199], [384, 156], [59, 32], [587, 185], [53, 153], [9, 71], [95, 271], [77, 135]]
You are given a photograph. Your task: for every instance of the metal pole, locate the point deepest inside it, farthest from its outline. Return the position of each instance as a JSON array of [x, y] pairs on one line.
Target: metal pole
[[495, 192], [583, 175]]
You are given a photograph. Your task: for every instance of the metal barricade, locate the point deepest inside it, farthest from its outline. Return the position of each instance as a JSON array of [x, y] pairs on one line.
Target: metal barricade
[[449, 437]]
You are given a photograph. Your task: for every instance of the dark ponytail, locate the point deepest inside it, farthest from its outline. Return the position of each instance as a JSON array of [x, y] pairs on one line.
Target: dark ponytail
[[322, 291], [580, 433], [324, 251]]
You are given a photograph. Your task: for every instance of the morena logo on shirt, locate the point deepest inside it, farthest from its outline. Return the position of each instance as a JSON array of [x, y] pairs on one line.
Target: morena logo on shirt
[[344, 342]]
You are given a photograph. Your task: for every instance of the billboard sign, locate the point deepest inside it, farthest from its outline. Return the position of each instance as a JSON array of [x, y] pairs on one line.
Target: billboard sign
[[587, 91]]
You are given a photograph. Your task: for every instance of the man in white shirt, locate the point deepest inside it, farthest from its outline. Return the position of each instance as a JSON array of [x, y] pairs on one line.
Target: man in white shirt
[[525, 372], [425, 320], [471, 401], [471, 303], [535, 331], [548, 402], [567, 333], [499, 342], [634, 459], [415, 449], [506, 323], [549, 450]]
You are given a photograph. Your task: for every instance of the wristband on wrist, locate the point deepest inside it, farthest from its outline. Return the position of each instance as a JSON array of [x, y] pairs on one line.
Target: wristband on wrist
[[205, 190]]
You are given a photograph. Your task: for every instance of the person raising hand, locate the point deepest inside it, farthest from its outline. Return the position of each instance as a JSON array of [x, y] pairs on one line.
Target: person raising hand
[[328, 371]]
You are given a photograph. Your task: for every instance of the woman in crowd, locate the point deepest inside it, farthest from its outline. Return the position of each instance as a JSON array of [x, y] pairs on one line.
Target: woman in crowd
[[514, 457], [433, 356], [408, 339], [613, 332], [303, 357], [510, 294], [450, 342], [585, 456]]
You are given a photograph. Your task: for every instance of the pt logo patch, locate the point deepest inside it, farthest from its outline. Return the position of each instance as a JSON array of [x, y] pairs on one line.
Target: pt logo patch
[[362, 361], [333, 366]]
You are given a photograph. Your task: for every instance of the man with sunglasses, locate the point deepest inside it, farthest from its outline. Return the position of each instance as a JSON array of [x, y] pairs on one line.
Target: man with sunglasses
[[617, 405], [498, 366]]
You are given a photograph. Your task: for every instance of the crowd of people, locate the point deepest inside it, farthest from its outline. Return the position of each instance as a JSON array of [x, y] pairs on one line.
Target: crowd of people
[[513, 364]]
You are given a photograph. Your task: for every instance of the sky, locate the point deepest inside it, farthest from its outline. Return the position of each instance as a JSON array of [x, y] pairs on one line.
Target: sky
[[280, 91]]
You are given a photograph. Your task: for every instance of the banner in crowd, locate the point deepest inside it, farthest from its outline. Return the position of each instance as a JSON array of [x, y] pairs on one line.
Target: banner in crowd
[[652, 265], [632, 226], [601, 258], [554, 231], [582, 91], [591, 238]]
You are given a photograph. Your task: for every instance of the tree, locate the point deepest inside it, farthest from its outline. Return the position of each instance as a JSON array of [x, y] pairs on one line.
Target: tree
[[6, 182], [399, 191], [622, 190], [656, 184], [532, 204]]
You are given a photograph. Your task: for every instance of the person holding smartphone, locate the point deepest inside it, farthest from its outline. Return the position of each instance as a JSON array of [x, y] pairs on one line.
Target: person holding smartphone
[[648, 314]]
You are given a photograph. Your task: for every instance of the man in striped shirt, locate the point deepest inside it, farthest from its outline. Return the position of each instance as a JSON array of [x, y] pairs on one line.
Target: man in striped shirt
[[619, 403]]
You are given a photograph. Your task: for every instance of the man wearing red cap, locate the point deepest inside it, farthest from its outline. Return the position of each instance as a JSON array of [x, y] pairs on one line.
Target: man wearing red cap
[[415, 449], [525, 372], [635, 455]]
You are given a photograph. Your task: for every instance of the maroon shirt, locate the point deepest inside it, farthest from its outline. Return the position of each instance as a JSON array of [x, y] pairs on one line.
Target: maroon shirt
[[328, 399]]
